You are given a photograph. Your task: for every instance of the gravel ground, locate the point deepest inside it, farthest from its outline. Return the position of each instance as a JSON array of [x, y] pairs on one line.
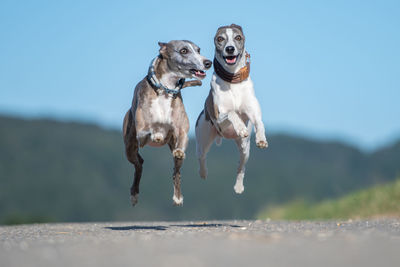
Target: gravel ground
[[211, 243]]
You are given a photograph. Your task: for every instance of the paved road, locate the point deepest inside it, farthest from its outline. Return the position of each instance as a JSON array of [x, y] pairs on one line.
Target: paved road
[[211, 243]]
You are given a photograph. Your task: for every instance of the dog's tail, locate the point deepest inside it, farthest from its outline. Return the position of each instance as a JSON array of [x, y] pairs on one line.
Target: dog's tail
[[218, 140]]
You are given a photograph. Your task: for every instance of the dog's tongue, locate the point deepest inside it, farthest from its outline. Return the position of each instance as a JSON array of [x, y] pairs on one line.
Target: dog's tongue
[[200, 73], [230, 60]]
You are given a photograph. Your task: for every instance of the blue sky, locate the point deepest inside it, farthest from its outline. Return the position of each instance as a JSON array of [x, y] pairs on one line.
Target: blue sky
[[326, 69]]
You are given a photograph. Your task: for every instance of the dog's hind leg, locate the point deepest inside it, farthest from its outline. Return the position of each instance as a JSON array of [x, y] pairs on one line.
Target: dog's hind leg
[[205, 135], [178, 161], [132, 153], [177, 145], [177, 198], [244, 150], [137, 161]]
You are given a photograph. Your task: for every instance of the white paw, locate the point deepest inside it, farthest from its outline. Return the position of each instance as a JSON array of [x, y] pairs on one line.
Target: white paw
[[262, 144], [239, 188], [178, 153], [134, 199], [243, 133], [158, 137], [178, 201]]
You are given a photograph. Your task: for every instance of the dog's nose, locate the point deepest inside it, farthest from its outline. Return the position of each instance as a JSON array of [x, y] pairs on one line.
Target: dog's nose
[[230, 49], [207, 63]]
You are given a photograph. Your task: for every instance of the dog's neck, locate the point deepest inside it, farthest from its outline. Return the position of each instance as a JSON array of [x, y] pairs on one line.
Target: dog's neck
[[165, 75], [232, 68]]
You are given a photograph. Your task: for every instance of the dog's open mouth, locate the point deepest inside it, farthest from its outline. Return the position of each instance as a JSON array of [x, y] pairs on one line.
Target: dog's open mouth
[[198, 73], [230, 60]]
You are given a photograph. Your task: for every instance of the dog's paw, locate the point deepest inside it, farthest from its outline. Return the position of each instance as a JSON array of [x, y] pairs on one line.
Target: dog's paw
[[262, 144], [243, 133], [178, 153], [203, 169], [134, 199], [203, 173], [158, 138], [239, 188], [178, 201]]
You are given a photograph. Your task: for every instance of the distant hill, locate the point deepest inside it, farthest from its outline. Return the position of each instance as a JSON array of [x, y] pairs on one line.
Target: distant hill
[[59, 171], [379, 200]]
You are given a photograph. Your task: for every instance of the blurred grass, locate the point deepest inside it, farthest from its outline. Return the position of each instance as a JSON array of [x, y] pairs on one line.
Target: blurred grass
[[19, 218], [380, 200]]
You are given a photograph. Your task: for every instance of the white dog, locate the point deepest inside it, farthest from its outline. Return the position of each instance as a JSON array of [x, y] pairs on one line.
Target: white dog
[[231, 108]]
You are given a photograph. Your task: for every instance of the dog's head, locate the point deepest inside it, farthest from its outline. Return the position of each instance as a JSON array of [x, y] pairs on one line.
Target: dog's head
[[229, 44], [183, 57]]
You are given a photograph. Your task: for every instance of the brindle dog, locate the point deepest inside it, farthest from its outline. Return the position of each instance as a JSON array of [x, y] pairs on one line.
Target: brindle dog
[[157, 115]]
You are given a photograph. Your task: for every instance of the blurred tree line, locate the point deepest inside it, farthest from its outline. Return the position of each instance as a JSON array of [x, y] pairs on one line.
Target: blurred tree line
[[59, 171]]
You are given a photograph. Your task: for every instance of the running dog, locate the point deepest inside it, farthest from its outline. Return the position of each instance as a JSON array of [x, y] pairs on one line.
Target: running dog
[[157, 115], [231, 108]]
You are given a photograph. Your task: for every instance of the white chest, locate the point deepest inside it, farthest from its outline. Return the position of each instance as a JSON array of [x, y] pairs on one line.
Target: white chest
[[231, 97], [161, 110]]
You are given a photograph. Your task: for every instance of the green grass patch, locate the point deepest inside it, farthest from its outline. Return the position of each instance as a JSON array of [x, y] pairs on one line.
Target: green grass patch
[[18, 218], [380, 200]]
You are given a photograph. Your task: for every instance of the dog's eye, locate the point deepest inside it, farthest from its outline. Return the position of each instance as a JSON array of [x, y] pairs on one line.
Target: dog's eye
[[198, 50], [238, 38], [183, 51], [220, 39]]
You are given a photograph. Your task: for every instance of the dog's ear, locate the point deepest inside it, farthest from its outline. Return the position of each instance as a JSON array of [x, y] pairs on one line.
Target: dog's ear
[[163, 48], [233, 25]]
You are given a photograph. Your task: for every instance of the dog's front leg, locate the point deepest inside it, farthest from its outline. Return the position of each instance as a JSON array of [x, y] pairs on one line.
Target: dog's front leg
[[180, 143], [232, 118], [254, 115]]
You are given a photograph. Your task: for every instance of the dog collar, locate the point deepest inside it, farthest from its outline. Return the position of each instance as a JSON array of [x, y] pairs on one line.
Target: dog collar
[[153, 80], [237, 77]]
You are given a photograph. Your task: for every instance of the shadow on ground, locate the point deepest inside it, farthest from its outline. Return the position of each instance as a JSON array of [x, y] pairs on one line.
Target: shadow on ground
[[163, 228], [205, 225], [135, 227]]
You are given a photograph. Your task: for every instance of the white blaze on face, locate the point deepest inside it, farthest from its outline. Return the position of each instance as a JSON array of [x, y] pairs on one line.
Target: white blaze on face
[[196, 55], [230, 42], [199, 73]]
